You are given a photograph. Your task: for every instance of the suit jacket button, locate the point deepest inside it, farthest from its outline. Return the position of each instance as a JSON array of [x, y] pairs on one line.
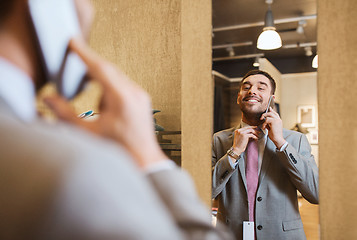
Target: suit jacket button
[[260, 227], [260, 199]]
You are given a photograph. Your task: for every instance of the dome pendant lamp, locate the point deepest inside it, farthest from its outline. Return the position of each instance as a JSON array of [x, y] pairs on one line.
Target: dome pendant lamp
[[315, 61], [269, 39]]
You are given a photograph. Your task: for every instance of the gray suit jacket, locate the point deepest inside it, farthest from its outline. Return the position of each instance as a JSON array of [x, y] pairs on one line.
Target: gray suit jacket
[[282, 173], [59, 182]]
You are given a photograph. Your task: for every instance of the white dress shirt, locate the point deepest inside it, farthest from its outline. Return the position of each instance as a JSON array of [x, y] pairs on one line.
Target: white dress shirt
[[17, 90]]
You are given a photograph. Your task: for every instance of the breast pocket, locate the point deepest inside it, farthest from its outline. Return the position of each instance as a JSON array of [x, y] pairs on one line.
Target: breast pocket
[[292, 225]]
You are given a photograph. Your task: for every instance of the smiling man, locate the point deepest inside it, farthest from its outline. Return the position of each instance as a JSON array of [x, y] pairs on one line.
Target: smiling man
[[258, 167]]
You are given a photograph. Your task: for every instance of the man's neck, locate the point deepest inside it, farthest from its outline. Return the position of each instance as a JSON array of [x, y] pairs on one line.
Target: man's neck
[[251, 121]]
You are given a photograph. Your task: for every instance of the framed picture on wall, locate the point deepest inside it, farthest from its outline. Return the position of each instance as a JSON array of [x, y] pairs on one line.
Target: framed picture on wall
[[306, 116], [314, 137]]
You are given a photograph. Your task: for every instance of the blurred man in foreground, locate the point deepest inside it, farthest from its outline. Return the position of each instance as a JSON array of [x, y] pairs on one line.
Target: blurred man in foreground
[[106, 179]]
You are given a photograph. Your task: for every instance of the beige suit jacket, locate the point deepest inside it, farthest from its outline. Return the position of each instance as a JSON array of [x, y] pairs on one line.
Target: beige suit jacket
[[282, 174]]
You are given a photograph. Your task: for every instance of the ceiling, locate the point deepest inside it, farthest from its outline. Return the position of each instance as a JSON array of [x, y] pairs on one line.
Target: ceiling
[[239, 22]]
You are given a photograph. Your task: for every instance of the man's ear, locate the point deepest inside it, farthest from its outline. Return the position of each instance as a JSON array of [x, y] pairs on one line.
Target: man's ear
[[238, 98]]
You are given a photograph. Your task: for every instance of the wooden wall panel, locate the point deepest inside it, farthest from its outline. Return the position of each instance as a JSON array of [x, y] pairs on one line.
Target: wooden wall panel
[[143, 38], [337, 98]]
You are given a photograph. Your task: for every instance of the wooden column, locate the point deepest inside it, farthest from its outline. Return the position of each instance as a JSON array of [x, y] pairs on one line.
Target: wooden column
[[197, 93], [337, 99], [165, 46]]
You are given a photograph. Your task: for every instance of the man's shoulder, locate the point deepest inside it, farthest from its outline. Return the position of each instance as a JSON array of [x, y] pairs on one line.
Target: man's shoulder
[[55, 143], [224, 133], [294, 138], [291, 133]]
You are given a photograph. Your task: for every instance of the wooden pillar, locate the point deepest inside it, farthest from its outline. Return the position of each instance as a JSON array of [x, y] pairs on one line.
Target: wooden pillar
[[197, 93], [165, 46], [337, 99]]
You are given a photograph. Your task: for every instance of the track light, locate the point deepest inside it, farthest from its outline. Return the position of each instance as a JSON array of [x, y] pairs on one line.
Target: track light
[[300, 28], [256, 62], [230, 51], [308, 51]]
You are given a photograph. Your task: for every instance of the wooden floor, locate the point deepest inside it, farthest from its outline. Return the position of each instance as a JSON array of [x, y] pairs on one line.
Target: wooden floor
[[310, 218]]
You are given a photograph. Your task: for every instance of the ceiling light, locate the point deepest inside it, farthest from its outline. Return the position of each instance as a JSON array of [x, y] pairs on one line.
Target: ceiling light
[[315, 62], [256, 62], [269, 39], [230, 51], [300, 28], [308, 51]]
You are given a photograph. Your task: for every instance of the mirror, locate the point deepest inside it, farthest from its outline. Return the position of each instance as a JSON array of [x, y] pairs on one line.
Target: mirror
[[237, 25]]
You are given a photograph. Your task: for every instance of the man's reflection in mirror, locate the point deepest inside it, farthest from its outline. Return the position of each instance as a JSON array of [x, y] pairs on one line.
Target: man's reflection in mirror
[[258, 166]]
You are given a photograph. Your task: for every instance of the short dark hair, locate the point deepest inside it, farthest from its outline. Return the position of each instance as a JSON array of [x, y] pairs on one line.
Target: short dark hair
[[260, 72], [5, 8]]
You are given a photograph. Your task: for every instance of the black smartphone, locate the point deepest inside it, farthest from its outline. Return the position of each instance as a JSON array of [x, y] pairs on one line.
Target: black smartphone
[[54, 23]]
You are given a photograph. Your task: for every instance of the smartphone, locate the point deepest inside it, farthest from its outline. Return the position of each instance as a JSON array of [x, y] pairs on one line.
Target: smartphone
[[54, 23], [270, 103]]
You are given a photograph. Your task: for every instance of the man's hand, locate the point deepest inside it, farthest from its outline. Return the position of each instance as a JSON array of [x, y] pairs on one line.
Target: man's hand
[[242, 136], [275, 127], [125, 109]]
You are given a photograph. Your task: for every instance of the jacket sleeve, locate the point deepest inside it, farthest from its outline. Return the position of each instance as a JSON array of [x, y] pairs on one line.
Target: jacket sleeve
[[192, 217], [103, 196], [302, 169], [222, 170]]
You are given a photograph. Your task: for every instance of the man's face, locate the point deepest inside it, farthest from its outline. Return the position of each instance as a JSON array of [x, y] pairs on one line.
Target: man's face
[[253, 97]]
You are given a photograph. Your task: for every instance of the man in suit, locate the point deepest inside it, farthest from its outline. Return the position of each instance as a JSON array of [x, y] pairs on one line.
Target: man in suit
[[106, 179], [260, 186]]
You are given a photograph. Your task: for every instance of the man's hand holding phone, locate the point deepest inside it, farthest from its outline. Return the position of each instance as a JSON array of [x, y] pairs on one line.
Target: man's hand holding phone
[[274, 125], [125, 110]]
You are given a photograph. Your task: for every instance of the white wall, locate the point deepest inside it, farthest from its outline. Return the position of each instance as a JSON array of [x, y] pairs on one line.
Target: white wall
[[298, 89]]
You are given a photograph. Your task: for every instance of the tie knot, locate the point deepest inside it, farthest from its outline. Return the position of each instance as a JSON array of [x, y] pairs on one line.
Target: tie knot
[[253, 142], [261, 133]]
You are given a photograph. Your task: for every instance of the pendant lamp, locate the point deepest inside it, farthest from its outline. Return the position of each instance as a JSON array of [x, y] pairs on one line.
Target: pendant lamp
[[315, 61], [269, 39]]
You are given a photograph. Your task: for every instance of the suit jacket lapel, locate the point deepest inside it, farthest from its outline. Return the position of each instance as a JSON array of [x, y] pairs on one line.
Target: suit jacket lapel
[[241, 164], [267, 156], [241, 167]]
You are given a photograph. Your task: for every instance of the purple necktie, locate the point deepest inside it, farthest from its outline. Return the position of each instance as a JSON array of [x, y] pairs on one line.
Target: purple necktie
[[251, 173]]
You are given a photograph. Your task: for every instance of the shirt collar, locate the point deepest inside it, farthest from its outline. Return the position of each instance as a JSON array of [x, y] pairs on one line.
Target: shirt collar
[[17, 90], [243, 124]]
